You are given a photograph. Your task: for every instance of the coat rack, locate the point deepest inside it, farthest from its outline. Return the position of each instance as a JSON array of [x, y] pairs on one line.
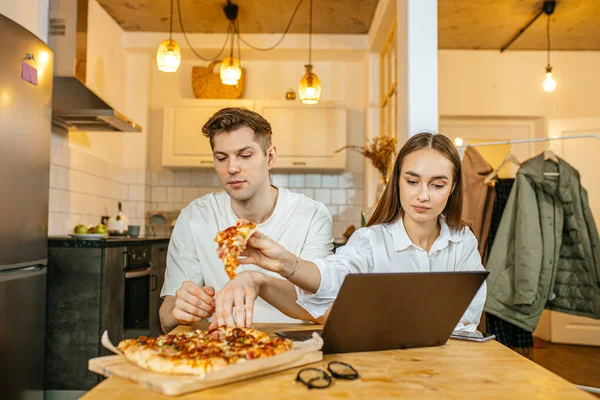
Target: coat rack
[[516, 141]]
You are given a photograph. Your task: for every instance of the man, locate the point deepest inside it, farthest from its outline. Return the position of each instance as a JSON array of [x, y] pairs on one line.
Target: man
[[243, 156]]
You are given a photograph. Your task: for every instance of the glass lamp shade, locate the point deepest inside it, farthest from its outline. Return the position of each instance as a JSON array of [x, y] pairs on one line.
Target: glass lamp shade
[[309, 88], [168, 56], [549, 83], [230, 71]]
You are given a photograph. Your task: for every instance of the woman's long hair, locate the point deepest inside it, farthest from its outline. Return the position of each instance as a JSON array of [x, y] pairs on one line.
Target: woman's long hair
[[389, 207]]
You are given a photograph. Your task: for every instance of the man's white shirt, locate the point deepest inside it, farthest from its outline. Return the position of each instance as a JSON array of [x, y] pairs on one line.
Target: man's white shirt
[[302, 225], [387, 248]]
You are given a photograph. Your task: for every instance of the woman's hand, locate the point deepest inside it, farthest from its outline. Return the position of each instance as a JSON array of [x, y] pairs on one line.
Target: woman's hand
[[268, 254]]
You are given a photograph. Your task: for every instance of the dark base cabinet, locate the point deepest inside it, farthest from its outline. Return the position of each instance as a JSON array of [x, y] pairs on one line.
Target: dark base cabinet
[[86, 296], [157, 278]]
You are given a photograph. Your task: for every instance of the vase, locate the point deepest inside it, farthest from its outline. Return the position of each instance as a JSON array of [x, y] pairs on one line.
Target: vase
[[383, 181]]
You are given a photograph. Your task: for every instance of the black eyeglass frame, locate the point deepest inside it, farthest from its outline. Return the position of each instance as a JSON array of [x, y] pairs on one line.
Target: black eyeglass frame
[[326, 376]]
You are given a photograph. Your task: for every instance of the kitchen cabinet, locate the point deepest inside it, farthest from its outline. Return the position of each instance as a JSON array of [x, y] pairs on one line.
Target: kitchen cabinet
[[157, 278], [87, 294], [184, 145], [84, 297], [306, 136]]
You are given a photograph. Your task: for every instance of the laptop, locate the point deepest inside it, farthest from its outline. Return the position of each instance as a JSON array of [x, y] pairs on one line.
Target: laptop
[[395, 311]]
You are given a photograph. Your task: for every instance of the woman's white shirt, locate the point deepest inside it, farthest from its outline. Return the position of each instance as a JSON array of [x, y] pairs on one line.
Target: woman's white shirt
[[387, 248]]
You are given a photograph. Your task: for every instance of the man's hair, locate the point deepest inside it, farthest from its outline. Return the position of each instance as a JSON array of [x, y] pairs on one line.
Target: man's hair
[[231, 119]]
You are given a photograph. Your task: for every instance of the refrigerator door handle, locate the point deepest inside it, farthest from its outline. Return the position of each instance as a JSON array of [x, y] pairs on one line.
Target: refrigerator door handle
[[22, 273], [6, 267]]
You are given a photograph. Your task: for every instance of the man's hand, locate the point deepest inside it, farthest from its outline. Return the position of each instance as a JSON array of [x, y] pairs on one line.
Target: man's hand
[[240, 293], [193, 303]]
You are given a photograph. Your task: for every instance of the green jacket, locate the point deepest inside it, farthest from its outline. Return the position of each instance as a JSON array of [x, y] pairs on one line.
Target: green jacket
[[546, 253]]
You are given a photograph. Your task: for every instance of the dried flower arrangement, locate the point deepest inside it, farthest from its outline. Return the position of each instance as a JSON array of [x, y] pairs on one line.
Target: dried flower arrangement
[[379, 150]]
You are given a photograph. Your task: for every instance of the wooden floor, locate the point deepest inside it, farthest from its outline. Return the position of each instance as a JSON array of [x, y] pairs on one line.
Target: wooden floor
[[577, 364]]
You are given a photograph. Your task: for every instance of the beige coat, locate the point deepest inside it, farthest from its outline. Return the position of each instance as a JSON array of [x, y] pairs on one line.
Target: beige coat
[[478, 200]]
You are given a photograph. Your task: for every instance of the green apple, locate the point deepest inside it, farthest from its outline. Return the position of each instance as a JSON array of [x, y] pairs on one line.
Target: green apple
[[80, 229], [100, 228]]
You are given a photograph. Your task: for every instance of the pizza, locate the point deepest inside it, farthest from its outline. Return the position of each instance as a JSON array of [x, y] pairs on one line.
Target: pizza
[[201, 352], [231, 242]]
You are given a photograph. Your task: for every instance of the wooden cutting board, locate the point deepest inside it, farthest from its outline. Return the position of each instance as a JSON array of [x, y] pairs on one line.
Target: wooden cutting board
[[174, 385]]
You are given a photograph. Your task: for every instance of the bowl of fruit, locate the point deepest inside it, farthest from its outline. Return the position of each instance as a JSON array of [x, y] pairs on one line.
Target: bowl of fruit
[[90, 232]]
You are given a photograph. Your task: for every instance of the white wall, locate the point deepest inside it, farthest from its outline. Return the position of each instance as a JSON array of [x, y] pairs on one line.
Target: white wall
[[475, 83], [31, 14], [91, 172], [488, 83], [267, 80]]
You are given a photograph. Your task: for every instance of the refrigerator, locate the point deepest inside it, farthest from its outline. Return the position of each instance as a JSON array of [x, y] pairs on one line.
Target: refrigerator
[[25, 128]]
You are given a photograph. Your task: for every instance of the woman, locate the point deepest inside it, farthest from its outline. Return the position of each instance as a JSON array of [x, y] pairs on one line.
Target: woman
[[416, 227]]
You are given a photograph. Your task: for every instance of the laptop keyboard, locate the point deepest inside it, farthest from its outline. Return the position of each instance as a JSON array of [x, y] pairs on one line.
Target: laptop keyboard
[[299, 336]]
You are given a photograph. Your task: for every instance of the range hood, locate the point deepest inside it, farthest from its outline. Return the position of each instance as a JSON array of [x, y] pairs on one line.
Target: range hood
[[74, 105]]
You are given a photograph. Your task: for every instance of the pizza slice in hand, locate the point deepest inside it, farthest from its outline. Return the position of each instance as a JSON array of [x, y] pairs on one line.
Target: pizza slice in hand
[[231, 242]]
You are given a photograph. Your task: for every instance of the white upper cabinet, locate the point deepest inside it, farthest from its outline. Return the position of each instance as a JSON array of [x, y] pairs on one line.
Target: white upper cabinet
[[184, 145], [306, 136]]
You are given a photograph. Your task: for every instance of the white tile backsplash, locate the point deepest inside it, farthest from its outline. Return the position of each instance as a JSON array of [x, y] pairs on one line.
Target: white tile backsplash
[[190, 194], [54, 200], [355, 196], [183, 178], [166, 178], [338, 229], [330, 181], [165, 206], [62, 177], [130, 176], [154, 178], [141, 210], [175, 195], [323, 195], [159, 194], [84, 187], [313, 180], [63, 201], [130, 209], [345, 213], [346, 180], [297, 181], [333, 210], [280, 180], [198, 178], [307, 192], [338, 196], [141, 175], [136, 192]]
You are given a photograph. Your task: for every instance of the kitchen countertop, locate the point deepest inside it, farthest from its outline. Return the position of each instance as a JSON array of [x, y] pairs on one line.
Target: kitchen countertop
[[457, 370], [111, 241]]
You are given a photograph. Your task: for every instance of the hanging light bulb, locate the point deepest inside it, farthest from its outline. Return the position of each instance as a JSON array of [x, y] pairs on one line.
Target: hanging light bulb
[[168, 55], [309, 88], [230, 71], [549, 82]]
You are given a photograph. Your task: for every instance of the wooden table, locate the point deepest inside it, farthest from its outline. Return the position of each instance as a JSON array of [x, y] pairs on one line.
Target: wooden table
[[458, 370]]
